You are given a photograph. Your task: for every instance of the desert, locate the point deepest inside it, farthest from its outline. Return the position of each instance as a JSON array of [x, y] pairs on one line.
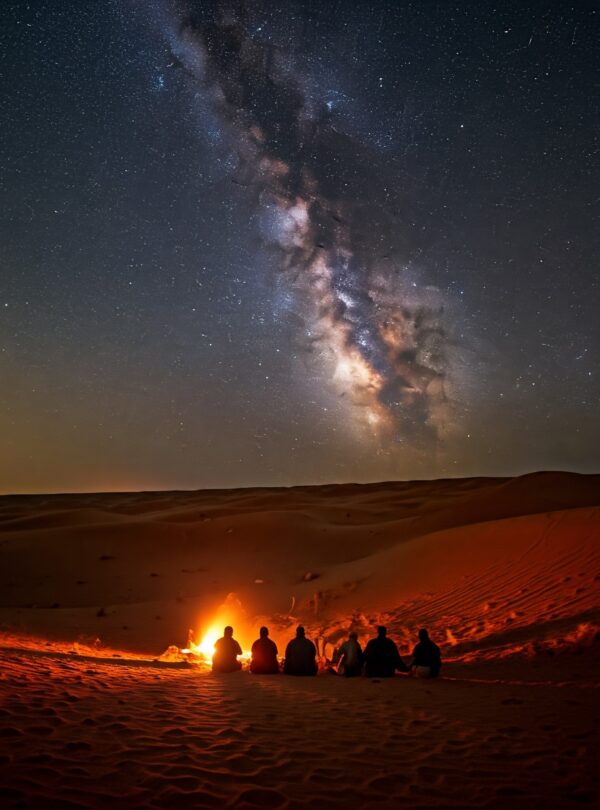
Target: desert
[[101, 592], [299, 388]]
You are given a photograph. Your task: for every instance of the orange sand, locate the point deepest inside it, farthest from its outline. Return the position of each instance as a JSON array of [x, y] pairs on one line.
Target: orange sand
[[504, 572]]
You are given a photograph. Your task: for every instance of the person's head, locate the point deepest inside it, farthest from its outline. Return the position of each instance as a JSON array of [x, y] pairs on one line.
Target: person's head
[[423, 635], [381, 631], [299, 631], [264, 632], [353, 636], [228, 632]]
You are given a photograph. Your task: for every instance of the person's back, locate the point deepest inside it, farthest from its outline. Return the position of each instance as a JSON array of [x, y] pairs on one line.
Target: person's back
[[264, 655], [382, 658], [226, 652], [350, 657], [300, 656], [427, 658]]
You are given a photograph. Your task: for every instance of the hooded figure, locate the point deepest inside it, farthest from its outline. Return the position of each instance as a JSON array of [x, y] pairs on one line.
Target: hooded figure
[[350, 657], [427, 658], [226, 652], [264, 655], [382, 658], [300, 655]]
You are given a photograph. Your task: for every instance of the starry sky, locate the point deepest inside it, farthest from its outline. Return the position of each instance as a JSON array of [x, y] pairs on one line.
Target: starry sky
[[272, 243]]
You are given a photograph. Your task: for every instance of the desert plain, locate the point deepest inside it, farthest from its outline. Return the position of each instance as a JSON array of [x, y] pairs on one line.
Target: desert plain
[[99, 593]]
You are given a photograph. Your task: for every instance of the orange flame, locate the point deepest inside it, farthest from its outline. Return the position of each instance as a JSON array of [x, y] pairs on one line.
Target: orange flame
[[230, 612]]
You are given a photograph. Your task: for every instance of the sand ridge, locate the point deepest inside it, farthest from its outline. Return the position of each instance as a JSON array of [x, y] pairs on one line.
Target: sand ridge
[[137, 570]]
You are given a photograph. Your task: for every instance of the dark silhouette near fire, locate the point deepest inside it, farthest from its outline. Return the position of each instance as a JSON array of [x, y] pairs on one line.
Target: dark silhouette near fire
[[226, 652], [382, 658], [349, 657], [300, 655], [264, 655], [427, 659]]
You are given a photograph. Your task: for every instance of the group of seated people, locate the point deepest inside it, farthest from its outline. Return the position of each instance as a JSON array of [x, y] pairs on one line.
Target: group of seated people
[[379, 659]]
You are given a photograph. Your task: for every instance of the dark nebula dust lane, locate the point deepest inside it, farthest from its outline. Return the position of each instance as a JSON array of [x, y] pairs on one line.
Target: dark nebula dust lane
[[340, 228], [247, 242]]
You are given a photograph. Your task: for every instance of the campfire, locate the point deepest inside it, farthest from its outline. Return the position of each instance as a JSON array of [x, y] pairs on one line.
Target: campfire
[[201, 646], [202, 652]]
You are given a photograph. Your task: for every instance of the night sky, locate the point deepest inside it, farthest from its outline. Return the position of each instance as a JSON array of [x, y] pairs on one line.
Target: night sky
[[273, 243]]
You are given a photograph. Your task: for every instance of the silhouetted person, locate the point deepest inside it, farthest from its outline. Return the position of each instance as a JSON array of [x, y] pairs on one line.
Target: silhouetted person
[[382, 658], [264, 655], [350, 657], [427, 659], [226, 652], [300, 655]]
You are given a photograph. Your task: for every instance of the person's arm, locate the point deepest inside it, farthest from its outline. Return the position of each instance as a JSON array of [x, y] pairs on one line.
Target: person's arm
[[337, 654], [238, 649]]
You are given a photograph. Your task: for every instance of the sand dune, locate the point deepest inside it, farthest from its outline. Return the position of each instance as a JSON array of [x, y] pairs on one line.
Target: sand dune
[[504, 572], [82, 735], [133, 557]]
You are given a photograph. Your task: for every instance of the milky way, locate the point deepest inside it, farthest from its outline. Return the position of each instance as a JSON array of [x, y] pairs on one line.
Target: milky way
[[260, 242], [322, 200]]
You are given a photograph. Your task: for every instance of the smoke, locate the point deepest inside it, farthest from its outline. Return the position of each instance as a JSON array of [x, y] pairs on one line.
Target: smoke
[[326, 204]]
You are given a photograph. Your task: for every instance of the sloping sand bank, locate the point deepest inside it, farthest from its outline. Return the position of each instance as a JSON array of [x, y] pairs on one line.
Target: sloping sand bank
[[76, 734]]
